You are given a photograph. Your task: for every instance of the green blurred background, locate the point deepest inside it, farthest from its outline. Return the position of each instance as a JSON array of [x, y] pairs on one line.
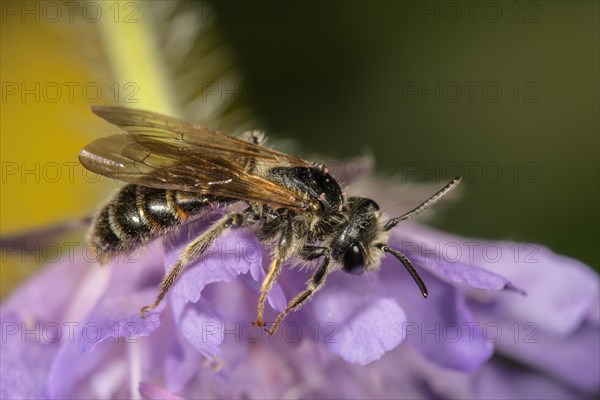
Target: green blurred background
[[505, 93], [356, 75]]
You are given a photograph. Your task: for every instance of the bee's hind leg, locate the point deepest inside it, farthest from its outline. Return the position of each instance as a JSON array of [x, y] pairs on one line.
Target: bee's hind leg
[[196, 248]]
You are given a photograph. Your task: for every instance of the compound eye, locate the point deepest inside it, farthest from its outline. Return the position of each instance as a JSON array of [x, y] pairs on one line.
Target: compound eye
[[354, 260]]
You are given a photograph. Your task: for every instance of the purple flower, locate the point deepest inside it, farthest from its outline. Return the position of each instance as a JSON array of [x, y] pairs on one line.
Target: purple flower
[[503, 320]]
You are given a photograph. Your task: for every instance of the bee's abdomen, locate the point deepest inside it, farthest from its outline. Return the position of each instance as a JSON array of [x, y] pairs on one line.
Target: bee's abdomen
[[138, 214]]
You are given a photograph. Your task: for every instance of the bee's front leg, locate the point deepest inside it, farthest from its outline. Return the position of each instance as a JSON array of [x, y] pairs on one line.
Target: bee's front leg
[[315, 282]]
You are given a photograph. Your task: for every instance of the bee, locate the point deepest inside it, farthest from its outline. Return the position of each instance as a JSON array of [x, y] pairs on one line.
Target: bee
[[176, 172]]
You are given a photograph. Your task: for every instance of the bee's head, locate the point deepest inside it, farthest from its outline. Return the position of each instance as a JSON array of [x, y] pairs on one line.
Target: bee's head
[[361, 242], [354, 247]]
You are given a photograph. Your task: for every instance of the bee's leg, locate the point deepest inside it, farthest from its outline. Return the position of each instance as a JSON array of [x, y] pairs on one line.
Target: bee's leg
[[315, 282], [310, 253], [195, 249], [281, 254]]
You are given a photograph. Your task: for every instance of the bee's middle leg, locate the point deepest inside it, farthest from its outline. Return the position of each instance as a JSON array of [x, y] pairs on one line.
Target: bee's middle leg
[[281, 254], [196, 248]]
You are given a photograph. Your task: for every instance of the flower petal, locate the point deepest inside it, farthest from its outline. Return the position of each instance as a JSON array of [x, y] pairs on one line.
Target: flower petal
[[36, 300], [594, 314], [571, 359], [24, 367], [69, 366], [450, 258], [154, 392], [200, 324], [441, 327], [181, 364], [233, 253], [494, 380], [560, 290], [117, 315], [366, 321]]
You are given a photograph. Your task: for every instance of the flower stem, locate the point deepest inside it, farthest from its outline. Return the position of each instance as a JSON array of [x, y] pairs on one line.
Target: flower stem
[[130, 42]]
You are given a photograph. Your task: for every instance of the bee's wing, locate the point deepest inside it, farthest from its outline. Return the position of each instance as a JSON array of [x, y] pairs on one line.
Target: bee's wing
[[164, 152]]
